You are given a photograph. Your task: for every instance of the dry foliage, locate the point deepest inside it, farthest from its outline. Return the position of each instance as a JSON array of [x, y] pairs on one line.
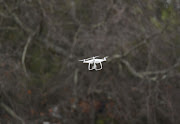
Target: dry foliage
[[41, 79]]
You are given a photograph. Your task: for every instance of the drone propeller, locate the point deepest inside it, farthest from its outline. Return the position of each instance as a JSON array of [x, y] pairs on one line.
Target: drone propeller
[[89, 58], [105, 58], [96, 56], [92, 57]]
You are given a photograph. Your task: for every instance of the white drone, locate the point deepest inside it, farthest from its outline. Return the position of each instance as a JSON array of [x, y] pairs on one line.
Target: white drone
[[93, 61]]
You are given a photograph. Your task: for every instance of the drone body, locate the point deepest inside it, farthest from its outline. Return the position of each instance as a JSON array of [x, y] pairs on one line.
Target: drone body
[[92, 62]]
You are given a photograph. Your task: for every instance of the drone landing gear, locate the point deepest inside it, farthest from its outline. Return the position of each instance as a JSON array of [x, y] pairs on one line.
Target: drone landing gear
[[91, 66], [97, 69], [94, 66]]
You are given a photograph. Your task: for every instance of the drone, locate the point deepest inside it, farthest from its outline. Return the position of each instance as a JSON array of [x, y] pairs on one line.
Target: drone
[[93, 61]]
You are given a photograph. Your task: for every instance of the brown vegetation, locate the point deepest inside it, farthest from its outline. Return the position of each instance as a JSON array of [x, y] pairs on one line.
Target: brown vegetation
[[41, 79]]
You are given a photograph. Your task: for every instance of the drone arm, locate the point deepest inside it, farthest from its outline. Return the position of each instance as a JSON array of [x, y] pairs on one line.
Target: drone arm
[[105, 58], [82, 60]]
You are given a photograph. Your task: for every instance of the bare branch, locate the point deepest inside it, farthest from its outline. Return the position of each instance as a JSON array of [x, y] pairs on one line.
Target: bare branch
[[146, 74], [25, 51], [138, 45], [129, 51], [131, 69], [42, 9], [11, 112], [75, 39], [164, 71], [17, 20], [29, 31], [75, 93], [134, 48], [4, 15], [52, 46], [8, 28]]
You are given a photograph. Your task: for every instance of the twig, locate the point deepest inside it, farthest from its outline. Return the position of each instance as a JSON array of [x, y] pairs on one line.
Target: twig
[[134, 48], [75, 88], [41, 7], [4, 15], [75, 38], [164, 71], [52, 46], [131, 69], [12, 113], [17, 20], [117, 56], [30, 31], [24, 53], [138, 45], [146, 74], [8, 28], [98, 24], [27, 30], [25, 50]]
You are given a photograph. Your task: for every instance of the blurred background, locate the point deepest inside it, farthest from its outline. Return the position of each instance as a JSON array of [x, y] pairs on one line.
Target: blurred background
[[42, 81]]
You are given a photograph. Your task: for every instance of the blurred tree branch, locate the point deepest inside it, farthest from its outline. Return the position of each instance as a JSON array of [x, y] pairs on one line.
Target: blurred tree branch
[[11, 112], [25, 50], [17, 20], [48, 44], [146, 74]]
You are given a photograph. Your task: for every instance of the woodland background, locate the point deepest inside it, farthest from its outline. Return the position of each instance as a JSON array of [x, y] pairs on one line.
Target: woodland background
[[42, 81]]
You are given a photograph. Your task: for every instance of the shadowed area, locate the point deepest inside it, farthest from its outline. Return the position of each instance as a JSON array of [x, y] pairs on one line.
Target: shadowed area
[[42, 80]]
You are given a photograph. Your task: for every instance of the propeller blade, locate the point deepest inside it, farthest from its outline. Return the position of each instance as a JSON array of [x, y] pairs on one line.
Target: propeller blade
[[89, 58], [96, 56], [92, 57]]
